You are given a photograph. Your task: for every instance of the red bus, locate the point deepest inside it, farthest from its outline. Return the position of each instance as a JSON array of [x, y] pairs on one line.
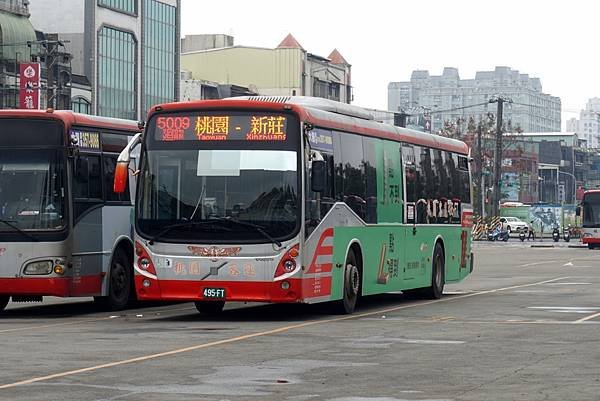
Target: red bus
[[63, 230], [590, 227]]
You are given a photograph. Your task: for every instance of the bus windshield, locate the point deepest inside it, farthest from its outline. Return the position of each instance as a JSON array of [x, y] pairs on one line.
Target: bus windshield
[[220, 177], [591, 210], [32, 191]]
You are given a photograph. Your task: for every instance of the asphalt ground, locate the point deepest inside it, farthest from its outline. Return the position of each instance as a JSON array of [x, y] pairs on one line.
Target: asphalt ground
[[524, 326]]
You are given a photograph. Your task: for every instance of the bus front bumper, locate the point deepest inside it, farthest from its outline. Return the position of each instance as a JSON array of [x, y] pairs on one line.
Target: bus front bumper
[[38, 286], [246, 291], [52, 286]]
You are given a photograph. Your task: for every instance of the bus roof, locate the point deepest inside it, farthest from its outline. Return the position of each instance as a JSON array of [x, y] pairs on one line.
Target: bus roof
[[71, 118], [326, 114]]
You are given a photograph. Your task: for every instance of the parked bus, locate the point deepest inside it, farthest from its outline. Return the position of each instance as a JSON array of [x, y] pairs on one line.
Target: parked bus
[[63, 230], [590, 227], [294, 200]]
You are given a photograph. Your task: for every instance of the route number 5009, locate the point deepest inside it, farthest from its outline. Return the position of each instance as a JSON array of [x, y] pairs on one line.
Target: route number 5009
[[169, 123]]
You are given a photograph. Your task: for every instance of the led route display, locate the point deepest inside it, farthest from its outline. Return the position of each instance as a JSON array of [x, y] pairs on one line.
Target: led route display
[[221, 127]]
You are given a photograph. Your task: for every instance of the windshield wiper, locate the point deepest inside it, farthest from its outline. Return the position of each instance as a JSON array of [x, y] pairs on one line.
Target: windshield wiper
[[258, 228], [170, 227], [11, 224]]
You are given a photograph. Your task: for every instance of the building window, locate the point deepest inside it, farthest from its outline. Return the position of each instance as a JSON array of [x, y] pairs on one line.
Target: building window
[[81, 105], [126, 6], [116, 74], [160, 21]]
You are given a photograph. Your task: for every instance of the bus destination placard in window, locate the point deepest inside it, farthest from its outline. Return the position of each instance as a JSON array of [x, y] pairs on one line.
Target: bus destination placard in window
[[221, 127], [85, 139]]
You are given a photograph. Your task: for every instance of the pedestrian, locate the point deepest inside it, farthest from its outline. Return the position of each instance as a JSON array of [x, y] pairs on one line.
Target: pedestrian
[[531, 232]]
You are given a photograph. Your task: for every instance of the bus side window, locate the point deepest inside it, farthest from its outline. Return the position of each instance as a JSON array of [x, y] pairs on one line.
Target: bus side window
[[87, 185]]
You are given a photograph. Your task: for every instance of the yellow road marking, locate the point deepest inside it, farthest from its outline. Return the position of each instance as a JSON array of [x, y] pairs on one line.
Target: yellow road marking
[[262, 334], [585, 319]]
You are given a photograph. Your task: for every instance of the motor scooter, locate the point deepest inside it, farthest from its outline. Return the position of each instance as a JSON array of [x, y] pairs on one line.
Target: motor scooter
[[523, 234], [567, 233], [555, 233], [498, 235]]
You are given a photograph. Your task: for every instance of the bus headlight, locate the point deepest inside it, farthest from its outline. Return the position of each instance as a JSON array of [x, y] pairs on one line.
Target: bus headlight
[[38, 268]]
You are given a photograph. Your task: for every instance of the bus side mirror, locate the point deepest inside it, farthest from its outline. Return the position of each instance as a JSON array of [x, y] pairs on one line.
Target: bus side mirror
[[122, 168], [578, 211], [318, 175], [121, 175]]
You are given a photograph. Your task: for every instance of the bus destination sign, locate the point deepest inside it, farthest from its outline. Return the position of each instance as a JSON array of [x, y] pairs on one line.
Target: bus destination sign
[[221, 127], [85, 139]]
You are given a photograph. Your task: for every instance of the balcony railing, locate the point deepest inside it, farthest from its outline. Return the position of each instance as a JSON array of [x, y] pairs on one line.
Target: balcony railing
[[15, 7]]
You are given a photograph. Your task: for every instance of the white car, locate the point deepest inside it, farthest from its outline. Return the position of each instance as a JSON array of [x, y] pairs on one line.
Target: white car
[[512, 224]]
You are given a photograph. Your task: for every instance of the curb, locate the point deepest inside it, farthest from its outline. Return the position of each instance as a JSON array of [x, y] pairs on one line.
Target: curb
[[577, 246], [542, 246]]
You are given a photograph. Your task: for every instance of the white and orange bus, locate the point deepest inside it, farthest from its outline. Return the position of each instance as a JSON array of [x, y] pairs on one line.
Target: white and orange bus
[[63, 230]]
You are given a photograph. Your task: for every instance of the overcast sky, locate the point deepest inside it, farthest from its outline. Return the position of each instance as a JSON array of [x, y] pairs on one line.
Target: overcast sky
[[556, 41]]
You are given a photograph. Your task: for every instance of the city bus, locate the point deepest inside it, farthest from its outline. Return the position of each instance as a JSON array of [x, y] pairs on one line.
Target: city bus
[[63, 230], [294, 199], [590, 227]]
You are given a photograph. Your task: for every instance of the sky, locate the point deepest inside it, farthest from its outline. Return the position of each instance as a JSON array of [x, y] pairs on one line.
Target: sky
[[556, 41]]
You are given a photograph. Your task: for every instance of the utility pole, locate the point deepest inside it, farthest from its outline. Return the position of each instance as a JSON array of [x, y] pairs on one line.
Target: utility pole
[[479, 167], [498, 154]]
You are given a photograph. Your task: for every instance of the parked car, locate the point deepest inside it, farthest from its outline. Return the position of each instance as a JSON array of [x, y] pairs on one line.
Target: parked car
[[513, 224]]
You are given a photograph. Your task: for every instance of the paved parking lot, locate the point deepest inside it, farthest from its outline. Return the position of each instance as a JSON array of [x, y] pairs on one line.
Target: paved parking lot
[[524, 326]]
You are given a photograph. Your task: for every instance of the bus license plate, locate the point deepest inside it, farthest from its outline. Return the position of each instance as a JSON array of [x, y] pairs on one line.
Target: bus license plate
[[215, 293]]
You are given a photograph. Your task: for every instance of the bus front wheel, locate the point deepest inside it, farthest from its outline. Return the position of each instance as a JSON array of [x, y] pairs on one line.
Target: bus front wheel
[[210, 308], [3, 302], [437, 274], [591, 246], [120, 283], [351, 291]]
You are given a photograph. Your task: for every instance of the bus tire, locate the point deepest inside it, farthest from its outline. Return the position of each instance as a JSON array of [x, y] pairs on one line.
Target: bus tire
[[436, 289], [210, 308], [3, 302], [351, 290], [591, 246], [120, 283]]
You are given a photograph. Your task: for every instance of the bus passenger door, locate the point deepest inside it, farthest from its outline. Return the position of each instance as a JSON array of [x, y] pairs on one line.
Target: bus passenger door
[[87, 225]]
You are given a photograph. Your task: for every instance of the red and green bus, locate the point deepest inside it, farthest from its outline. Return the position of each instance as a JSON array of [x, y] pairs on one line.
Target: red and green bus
[[294, 199]]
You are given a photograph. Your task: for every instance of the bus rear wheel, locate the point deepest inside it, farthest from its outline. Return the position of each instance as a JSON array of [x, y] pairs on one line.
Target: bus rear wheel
[[351, 291], [210, 308], [591, 246], [3, 302], [436, 289]]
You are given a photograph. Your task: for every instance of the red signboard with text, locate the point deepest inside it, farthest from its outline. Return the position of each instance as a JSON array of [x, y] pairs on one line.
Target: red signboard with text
[[29, 86]]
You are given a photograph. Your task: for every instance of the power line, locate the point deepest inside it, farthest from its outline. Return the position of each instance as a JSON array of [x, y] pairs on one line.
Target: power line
[[448, 110]]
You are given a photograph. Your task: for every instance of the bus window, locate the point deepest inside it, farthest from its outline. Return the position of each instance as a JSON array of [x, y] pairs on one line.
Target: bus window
[[87, 185], [370, 165], [353, 174]]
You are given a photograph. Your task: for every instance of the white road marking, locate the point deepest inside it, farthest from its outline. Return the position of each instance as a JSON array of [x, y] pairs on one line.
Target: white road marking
[[585, 319], [568, 264], [537, 263], [434, 342], [569, 284]]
